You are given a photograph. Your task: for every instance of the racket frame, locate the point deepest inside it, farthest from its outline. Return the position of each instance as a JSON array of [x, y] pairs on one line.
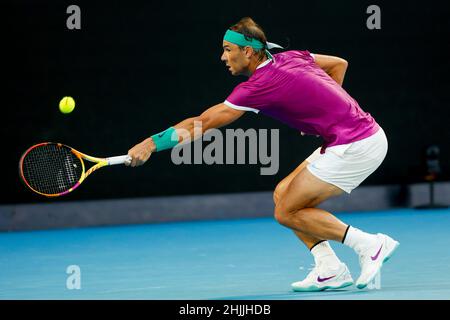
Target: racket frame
[[100, 162]]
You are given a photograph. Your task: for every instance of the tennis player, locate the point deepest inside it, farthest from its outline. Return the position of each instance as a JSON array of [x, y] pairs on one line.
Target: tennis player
[[304, 91]]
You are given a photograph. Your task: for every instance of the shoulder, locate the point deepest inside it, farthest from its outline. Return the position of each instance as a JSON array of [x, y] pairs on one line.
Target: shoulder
[[249, 96]]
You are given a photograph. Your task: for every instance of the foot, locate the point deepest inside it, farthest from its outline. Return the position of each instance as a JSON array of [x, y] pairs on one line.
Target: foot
[[323, 277], [371, 259]]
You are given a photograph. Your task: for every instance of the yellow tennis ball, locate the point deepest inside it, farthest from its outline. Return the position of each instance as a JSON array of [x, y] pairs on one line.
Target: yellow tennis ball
[[66, 105]]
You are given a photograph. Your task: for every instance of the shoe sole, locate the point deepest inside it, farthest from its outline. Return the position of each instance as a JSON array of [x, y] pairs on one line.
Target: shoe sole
[[315, 288], [363, 285]]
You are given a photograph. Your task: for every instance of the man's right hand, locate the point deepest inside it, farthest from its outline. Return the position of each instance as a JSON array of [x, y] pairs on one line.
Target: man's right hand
[[141, 152]]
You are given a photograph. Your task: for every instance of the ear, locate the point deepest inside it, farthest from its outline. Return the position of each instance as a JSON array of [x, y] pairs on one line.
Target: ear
[[248, 52]]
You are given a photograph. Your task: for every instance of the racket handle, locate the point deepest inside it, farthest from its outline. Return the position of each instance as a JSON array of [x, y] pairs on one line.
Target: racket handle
[[118, 160]]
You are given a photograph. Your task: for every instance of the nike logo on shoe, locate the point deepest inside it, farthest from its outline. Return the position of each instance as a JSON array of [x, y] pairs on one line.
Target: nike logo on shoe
[[324, 279], [375, 257]]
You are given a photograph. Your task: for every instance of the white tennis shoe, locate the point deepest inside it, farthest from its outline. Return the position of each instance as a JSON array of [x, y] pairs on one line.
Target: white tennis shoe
[[372, 258], [323, 277]]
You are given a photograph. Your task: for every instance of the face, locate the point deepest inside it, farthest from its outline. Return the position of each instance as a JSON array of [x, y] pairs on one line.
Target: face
[[235, 58]]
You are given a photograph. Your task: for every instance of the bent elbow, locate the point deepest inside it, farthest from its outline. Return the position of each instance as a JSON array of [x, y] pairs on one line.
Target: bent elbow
[[343, 63]]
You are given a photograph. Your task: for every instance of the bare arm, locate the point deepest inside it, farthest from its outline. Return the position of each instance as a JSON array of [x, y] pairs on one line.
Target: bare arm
[[215, 117], [335, 67]]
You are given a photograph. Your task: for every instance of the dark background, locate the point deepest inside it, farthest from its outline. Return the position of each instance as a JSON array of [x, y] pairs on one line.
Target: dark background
[[136, 68]]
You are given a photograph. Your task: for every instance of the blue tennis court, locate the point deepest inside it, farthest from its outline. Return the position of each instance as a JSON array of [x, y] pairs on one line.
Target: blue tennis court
[[226, 259]]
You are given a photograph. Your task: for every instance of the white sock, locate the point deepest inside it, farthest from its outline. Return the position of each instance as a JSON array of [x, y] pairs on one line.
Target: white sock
[[323, 252], [359, 240]]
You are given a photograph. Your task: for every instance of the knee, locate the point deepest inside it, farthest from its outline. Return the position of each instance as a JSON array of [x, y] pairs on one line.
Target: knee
[[279, 191], [276, 197], [279, 212], [282, 214], [285, 214]]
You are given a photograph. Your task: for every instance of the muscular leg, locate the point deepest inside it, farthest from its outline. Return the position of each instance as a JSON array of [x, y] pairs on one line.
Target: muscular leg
[[325, 260], [295, 210], [280, 191], [295, 200]]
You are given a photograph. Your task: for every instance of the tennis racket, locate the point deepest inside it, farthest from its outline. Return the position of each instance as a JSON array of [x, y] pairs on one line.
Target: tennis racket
[[54, 169]]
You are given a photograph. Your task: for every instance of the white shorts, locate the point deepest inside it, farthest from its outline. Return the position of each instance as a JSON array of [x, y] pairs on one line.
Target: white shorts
[[347, 165]]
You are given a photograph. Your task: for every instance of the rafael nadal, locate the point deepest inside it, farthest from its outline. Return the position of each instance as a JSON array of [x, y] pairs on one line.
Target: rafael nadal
[[304, 91]]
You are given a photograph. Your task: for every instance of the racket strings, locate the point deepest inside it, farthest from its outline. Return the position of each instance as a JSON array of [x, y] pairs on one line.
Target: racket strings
[[51, 169]]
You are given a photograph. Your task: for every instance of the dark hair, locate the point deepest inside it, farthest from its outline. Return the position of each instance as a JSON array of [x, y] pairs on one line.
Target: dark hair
[[250, 29]]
